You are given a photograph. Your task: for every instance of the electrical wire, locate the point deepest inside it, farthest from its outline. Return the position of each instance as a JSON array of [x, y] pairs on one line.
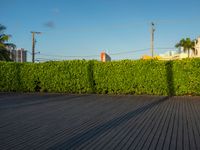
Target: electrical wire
[[43, 54], [112, 54], [48, 57]]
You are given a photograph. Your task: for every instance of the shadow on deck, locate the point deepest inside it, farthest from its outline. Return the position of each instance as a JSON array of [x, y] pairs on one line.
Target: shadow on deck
[[95, 132]]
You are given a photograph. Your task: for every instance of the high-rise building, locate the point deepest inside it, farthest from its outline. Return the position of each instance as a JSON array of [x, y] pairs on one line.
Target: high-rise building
[[19, 55]]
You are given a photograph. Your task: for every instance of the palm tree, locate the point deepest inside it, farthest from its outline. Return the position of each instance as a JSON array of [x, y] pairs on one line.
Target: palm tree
[[187, 45], [4, 52]]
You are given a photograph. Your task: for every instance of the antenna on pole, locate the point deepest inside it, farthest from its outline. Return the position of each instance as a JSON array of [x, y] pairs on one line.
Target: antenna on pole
[[33, 44], [152, 38]]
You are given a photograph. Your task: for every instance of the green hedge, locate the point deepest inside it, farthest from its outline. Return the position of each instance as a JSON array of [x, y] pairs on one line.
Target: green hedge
[[131, 77], [66, 76], [153, 77]]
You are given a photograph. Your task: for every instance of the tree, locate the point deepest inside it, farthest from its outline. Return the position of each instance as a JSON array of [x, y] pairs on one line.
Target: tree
[[4, 46], [187, 45]]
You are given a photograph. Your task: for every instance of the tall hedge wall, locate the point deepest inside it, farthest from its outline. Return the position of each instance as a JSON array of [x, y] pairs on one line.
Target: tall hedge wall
[[180, 77], [66, 76]]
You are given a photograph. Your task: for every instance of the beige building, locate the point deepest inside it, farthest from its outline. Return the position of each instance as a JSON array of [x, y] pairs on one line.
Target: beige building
[[172, 55], [197, 47]]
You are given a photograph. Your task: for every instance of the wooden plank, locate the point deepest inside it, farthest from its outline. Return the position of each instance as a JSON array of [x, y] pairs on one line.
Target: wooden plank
[[98, 122], [166, 145], [165, 126], [195, 122], [186, 142], [116, 140], [149, 139]]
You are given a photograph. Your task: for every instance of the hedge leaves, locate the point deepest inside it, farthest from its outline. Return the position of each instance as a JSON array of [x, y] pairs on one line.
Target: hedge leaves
[[153, 77]]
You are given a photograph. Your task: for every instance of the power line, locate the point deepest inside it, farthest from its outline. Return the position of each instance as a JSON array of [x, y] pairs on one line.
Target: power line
[[128, 52], [42, 54], [48, 57], [165, 48], [119, 53], [112, 54]]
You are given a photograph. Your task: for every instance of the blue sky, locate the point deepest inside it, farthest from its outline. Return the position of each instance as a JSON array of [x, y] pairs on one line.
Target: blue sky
[[86, 27]]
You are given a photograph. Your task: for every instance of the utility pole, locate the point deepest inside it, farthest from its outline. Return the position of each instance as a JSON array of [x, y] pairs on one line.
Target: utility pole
[[33, 44], [152, 39]]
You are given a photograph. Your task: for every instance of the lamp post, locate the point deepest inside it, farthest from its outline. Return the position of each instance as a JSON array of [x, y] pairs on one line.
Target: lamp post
[[33, 44], [152, 38]]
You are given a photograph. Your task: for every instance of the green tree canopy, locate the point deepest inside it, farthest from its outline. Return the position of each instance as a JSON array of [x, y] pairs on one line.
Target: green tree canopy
[[4, 46], [187, 45]]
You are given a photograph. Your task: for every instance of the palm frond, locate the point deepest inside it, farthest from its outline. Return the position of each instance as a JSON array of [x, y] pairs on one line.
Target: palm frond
[[2, 28], [4, 52], [4, 38]]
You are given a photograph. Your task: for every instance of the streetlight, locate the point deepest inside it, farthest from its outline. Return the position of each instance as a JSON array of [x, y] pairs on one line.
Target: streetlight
[[152, 38], [33, 44]]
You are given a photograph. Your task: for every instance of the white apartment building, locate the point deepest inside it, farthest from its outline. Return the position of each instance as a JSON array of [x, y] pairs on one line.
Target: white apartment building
[[197, 47], [171, 55], [19, 55]]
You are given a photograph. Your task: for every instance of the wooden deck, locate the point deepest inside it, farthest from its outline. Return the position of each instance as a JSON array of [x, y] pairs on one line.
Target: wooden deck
[[56, 121]]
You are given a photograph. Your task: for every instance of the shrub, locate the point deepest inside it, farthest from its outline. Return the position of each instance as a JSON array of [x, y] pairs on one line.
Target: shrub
[[131, 77], [180, 77]]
